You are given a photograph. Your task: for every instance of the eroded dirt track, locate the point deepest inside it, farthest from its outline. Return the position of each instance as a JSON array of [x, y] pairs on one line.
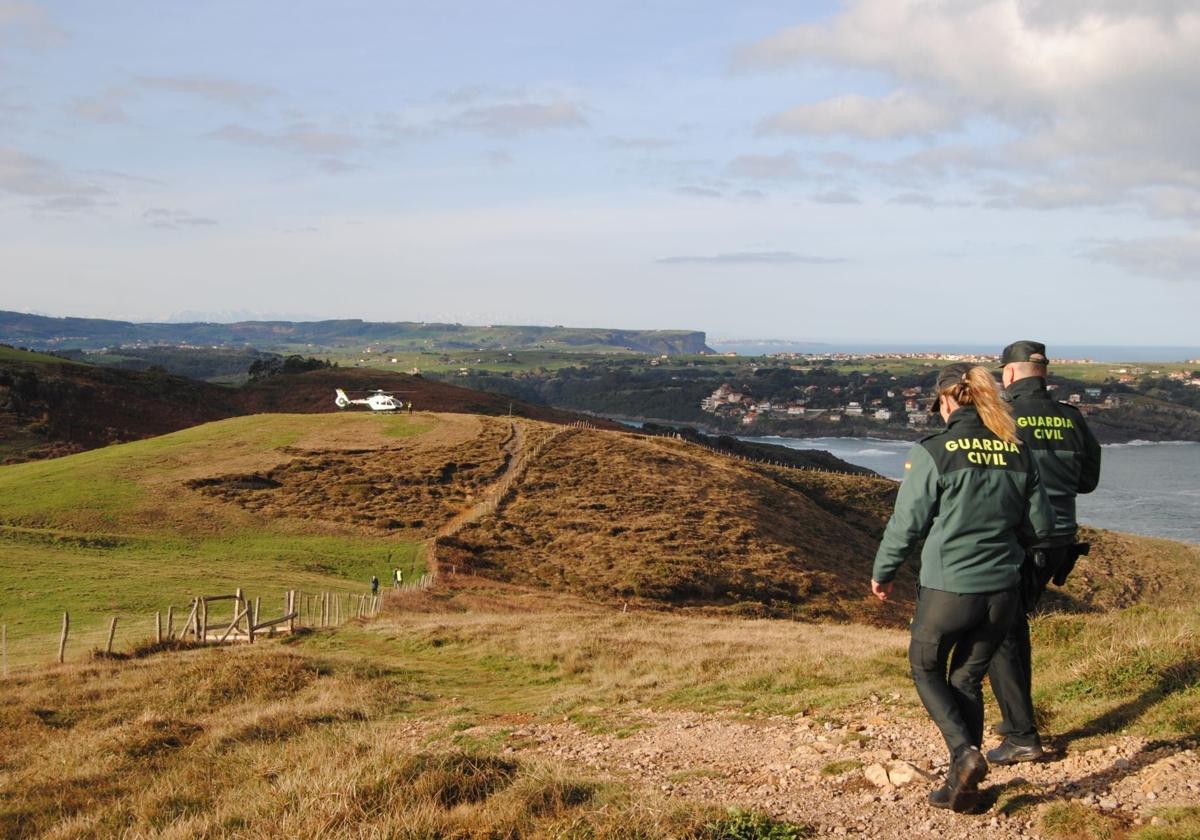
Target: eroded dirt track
[[815, 771]]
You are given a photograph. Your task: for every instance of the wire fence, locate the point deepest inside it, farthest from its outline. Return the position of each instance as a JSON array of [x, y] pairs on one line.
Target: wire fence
[[77, 635]]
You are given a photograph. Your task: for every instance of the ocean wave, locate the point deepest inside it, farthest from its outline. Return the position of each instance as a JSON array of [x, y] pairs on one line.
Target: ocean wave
[[872, 453]]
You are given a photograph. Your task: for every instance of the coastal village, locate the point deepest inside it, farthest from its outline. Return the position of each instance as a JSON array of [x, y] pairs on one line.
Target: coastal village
[[886, 399]]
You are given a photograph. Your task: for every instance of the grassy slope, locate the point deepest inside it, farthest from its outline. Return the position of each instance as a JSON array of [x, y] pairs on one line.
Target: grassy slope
[[375, 728], [368, 729], [115, 530]]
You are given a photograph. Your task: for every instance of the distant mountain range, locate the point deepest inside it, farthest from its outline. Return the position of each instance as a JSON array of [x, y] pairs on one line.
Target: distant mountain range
[[44, 333]]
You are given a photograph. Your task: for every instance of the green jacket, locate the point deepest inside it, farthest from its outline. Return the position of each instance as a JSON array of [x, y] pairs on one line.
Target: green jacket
[[976, 500], [1066, 452]]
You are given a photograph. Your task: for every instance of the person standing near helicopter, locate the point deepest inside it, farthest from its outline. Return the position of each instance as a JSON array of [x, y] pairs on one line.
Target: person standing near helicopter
[[974, 494]]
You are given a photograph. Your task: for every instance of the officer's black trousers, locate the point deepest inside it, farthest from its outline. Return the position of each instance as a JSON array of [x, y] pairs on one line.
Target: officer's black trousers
[[953, 639], [1011, 671]]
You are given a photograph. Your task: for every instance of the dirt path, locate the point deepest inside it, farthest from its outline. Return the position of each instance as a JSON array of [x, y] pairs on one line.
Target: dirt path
[[816, 771], [515, 449]]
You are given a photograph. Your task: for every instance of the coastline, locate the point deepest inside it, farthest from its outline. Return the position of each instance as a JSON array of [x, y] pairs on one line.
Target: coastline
[[1106, 435]]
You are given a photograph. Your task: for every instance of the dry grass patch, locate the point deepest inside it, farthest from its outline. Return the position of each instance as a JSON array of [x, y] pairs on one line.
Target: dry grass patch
[[412, 488], [619, 517], [293, 749]]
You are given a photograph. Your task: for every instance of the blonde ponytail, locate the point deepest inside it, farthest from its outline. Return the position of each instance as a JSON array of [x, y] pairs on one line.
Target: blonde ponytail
[[979, 388]]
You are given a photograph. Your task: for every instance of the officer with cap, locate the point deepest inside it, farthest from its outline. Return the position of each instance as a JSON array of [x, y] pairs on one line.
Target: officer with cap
[[1068, 457]]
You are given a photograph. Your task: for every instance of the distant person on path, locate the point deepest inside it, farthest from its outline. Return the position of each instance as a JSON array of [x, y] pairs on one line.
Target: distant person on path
[[1068, 458], [374, 585], [974, 495]]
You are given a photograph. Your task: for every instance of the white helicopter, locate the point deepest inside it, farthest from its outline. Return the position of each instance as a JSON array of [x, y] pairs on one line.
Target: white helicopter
[[378, 401]]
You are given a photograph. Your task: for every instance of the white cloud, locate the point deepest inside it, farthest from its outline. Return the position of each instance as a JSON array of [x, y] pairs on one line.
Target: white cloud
[[643, 144], [1077, 103], [108, 106], [28, 25], [224, 91], [836, 197], [698, 192], [517, 117], [28, 175], [1167, 257], [163, 217], [750, 258], [898, 114], [305, 138], [766, 167]]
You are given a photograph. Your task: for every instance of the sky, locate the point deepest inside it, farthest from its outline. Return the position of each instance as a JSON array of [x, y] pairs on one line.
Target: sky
[[887, 170]]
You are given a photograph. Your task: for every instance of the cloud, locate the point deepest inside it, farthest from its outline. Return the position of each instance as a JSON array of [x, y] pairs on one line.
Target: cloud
[[28, 175], [1077, 103], [66, 204], [28, 25], [162, 217], [750, 258], [304, 138], [107, 106], [12, 109], [224, 91], [1167, 257], [643, 144], [499, 158], [898, 114], [836, 197], [698, 192], [766, 167], [517, 117], [914, 199], [336, 166]]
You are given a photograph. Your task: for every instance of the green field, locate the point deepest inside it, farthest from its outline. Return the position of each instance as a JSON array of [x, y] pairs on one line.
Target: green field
[[115, 531], [10, 354]]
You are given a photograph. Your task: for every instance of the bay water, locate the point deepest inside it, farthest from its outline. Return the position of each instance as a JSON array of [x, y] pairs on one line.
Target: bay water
[[1145, 488]]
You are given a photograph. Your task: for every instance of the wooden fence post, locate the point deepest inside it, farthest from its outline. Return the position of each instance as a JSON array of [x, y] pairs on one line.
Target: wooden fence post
[[112, 631], [62, 641], [202, 619], [171, 621], [158, 628], [4, 651]]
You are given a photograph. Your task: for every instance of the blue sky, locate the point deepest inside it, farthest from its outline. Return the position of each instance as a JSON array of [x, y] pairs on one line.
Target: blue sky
[[874, 169]]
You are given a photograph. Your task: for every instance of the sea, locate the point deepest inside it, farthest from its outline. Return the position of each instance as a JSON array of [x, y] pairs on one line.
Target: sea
[[1145, 487], [1095, 352]]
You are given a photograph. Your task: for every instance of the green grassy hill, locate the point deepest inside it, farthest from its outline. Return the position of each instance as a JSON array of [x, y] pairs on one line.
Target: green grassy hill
[[119, 530]]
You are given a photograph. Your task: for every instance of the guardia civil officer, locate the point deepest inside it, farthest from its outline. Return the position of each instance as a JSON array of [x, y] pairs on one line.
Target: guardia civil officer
[[974, 494], [1068, 458]]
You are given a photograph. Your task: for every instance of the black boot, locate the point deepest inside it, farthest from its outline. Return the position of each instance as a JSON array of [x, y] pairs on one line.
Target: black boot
[[961, 790], [1010, 753]]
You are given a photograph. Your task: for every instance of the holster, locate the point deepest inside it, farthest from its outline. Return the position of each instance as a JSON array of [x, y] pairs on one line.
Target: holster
[[1029, 589], [1068, 564]]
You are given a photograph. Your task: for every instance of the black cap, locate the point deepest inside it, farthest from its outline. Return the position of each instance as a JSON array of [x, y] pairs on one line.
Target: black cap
[[948, 376], [1025, 351]]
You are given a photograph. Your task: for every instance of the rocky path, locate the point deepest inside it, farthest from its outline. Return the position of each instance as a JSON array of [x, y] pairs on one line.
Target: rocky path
[[866, 775]]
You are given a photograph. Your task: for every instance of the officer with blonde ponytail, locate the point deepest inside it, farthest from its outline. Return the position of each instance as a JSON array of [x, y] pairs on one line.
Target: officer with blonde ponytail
[[975, 496]]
